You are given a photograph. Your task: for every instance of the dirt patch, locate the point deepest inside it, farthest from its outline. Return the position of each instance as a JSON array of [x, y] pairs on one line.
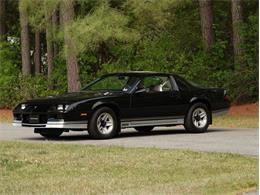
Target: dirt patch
[[245, 110], [5, 115]]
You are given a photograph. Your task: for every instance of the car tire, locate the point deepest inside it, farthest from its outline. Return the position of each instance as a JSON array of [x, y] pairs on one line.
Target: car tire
[[103, 124], [144, 129], [197, 118], [55, 133]]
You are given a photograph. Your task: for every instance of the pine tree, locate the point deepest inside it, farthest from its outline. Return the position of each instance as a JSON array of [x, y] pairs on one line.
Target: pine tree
[[2, 19], [67, 9], [206, 18], [237, 19], [25, 43]]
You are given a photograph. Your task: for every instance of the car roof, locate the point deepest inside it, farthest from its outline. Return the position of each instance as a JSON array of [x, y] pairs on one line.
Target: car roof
[[140, 73]]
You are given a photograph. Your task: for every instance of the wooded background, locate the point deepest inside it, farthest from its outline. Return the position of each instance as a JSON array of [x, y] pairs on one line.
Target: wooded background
[[53, 46]]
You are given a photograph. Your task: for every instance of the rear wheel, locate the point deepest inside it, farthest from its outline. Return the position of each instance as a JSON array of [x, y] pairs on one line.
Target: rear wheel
[[197, 118], [144, 129], [103, 124], [51, 134]]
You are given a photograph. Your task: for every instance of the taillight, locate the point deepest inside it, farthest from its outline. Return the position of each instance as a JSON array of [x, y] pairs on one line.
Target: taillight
[[226, 97]]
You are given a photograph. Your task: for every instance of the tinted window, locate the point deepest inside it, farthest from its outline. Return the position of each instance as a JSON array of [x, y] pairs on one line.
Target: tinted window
[[183, 86], [155, 84]]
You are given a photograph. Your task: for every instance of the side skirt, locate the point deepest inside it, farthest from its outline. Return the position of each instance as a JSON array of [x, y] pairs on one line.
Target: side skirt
[[152, 122]]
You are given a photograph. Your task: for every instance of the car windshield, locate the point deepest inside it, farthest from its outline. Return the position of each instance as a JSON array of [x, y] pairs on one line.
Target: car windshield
[[112, 83]]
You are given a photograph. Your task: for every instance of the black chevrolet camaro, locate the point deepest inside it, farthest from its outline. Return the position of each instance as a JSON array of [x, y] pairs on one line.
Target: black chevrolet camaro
[[115, 101]]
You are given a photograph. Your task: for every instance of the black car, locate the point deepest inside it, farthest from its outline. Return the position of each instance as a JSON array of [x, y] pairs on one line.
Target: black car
[[115, 101]]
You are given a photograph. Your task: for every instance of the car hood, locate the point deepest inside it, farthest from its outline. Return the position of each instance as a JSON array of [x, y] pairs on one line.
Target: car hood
[[69, 98]]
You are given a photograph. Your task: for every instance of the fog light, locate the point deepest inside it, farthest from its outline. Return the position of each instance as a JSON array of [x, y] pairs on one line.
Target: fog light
[[66, 107]]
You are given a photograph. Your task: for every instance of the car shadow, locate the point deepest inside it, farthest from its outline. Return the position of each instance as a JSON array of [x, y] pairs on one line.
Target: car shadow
[[128, 134]]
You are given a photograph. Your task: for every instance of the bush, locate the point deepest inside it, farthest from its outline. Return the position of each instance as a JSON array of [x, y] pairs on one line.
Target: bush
[[9, 71]]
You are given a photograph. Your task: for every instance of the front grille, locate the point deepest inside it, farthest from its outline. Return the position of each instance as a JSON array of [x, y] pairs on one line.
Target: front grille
[[34, 119], [38, 113]]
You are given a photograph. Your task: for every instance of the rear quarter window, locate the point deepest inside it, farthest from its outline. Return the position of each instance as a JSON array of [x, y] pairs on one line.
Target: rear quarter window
[[182, 85]]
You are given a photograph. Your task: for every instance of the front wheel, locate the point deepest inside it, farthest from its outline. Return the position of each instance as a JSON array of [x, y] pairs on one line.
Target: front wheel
[[197, 118], [103, 124]]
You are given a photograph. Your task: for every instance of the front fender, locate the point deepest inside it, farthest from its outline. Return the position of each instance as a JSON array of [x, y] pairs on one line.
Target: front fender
[[103, 103]]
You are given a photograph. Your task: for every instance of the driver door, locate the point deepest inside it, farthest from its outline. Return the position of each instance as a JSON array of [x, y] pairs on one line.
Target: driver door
[[155, 98]]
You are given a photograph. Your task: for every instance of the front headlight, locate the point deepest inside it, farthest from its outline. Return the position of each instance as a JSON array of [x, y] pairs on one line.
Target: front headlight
[[62, 108], [23, 106]]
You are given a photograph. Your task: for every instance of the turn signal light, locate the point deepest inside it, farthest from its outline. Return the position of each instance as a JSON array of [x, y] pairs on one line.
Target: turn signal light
[[83, 114]]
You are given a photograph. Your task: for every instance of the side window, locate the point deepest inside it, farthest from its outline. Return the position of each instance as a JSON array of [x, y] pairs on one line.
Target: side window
[[181, 84], [156, 84]]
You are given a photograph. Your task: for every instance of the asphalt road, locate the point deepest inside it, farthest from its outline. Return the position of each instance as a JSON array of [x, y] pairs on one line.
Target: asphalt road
[[242, 141]]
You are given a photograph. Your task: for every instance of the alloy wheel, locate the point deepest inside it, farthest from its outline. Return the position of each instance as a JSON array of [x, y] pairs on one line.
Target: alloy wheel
[[105, 123], [199, 118]]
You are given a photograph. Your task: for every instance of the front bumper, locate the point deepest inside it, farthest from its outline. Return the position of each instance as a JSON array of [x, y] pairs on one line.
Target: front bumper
[[57, 124]]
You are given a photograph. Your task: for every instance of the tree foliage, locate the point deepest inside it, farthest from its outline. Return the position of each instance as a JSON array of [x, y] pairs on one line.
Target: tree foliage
[[112, 35], [103, 25]]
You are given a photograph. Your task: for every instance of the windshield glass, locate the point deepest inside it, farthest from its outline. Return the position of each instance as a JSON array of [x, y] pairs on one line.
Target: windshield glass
[[112, 83]]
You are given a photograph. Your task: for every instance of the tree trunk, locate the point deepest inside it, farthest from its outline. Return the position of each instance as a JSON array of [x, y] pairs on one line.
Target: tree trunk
[[25, 44], [49, 45], [67, 10], [60, 18], [206, 18], [237, 19], [2, 20], [37, 52], [55, 24]]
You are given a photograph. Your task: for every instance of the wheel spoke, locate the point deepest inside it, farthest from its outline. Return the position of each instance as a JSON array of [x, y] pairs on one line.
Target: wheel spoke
[[199, 117], [105, 123], [109, 123], [202, 114], [106, 117]]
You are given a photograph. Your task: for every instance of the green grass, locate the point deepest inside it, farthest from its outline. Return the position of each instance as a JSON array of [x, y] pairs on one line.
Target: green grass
[[30, 168], [238, 121]]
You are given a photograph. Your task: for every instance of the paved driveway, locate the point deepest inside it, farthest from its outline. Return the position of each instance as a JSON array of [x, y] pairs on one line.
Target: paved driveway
[[242, 141]]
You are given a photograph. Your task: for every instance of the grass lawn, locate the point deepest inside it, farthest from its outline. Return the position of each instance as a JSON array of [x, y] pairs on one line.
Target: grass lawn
[[80, 169], [237, 121]]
